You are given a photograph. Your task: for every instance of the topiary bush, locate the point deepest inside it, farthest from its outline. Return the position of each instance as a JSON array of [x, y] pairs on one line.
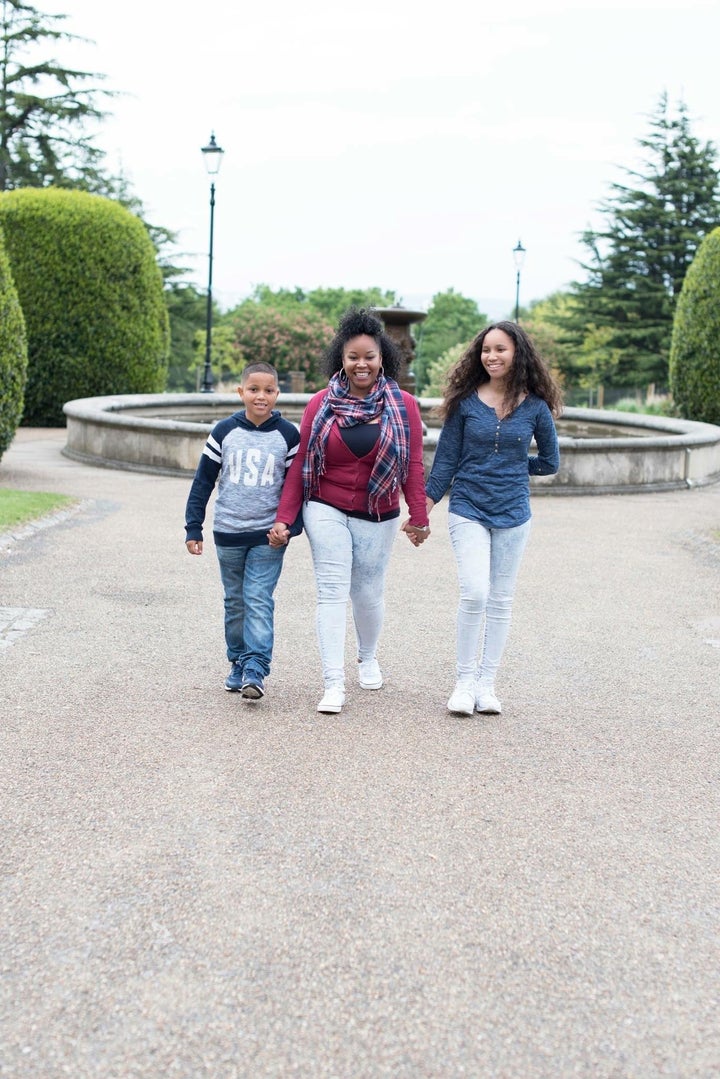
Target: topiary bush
[[92, 296], [13, 354], [695, 342]]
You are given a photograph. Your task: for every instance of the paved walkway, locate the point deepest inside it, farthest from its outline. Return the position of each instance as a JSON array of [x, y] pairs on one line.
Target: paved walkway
[[196, 886]]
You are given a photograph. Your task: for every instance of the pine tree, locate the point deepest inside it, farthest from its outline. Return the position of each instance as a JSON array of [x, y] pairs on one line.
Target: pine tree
[[653, 226], [44, 108]]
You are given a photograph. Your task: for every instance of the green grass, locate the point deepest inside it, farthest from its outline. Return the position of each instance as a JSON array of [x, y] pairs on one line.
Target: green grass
[[18, 507]]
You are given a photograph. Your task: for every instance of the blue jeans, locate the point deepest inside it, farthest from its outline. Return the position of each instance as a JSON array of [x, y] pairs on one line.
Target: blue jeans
[[249, 576], [488, 560]]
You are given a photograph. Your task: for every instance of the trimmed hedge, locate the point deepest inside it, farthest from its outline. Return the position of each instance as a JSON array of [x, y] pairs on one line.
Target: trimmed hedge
[[695, 343], [92, 296], [13, 354]]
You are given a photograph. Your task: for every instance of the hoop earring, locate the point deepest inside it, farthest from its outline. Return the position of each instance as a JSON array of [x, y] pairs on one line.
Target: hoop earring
[[342, 377], [381, 372]]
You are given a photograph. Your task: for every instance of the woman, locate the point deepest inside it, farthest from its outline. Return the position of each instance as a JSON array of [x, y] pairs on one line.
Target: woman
[[499, 397], [361, 444]]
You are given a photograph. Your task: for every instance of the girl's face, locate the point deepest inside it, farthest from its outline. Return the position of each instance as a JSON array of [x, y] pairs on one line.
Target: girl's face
[[361, 363], [498, 354]]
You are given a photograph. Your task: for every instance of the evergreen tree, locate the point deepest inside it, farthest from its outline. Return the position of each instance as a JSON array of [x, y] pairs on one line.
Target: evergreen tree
[[638, 261], [44, 107]]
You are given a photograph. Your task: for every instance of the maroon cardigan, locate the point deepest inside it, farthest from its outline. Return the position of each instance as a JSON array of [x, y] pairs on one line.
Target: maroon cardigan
[[344, 484]]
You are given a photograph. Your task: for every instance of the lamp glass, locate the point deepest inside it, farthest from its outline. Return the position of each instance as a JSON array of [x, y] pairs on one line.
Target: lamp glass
[[519, 255], [212, 156]]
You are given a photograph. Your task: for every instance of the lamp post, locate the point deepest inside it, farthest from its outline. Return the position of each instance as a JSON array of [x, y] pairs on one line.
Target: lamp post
[[212, 156], [519, 257]]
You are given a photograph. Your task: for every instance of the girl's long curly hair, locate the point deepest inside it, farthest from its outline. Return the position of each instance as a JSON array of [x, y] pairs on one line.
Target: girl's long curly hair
[[355, 322], [529, 374]]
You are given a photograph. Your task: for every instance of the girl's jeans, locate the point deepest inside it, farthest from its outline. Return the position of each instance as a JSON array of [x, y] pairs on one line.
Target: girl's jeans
[[488, 560], [249, 576], [350, 557]]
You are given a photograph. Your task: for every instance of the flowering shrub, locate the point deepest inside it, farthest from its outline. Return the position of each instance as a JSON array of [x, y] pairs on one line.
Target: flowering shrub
[[289, 340]]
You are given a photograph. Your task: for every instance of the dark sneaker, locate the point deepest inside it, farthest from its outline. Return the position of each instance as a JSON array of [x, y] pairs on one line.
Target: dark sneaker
[[253, 689], [234, 681]]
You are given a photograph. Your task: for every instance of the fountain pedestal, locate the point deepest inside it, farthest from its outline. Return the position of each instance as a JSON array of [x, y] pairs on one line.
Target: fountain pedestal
[[397, 322]]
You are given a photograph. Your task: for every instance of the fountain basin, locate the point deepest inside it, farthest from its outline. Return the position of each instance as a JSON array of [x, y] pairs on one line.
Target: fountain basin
[[606, 453]]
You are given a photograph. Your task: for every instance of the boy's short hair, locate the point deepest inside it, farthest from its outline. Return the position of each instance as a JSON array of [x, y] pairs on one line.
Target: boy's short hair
[[258, 368]]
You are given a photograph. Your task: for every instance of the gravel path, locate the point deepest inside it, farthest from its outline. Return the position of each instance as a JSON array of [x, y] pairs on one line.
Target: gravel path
[[194, 885]]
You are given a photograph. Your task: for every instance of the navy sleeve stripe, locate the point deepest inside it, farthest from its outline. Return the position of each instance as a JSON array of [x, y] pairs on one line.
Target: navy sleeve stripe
[[290, 456]]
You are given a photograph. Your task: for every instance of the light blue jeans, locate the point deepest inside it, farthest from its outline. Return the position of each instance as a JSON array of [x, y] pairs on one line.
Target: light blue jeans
[[249, 576], [350, 557], [488, 560]]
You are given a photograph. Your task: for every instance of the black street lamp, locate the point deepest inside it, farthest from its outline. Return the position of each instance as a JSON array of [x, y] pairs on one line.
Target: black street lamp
[[212, 156], [519, 256]]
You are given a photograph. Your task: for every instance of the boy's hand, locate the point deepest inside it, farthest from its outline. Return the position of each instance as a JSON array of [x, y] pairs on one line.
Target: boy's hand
[[279, 535], [194, 546]]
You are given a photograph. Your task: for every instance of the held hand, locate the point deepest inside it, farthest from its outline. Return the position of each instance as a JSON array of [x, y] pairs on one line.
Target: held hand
[[194, 546], [415, 534], [279, 535]]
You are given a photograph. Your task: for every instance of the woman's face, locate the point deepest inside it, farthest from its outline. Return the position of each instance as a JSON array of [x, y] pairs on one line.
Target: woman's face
[[361, 363], [498, 354]]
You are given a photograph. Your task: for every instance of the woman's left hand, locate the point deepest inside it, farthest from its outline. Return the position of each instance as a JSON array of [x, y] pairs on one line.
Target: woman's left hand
[[415, 534]]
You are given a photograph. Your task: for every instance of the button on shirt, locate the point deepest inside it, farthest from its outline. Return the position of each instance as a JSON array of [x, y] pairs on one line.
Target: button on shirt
[[487, 460]]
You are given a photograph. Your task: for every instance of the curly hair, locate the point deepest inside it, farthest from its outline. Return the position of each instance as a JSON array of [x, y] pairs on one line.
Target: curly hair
[[358, 321], [528, 374]]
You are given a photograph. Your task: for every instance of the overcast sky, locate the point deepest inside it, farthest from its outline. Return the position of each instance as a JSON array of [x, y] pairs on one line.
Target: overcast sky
[[392, 143]]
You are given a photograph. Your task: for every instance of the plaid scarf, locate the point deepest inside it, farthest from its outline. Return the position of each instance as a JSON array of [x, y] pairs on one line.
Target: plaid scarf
[[390, 469]]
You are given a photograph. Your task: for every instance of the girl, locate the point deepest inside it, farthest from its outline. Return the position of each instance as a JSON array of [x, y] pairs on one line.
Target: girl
[[499, 397]]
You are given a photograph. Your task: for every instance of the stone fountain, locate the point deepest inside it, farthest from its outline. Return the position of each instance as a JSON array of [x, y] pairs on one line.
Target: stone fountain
[[397, 322], [601, 452]]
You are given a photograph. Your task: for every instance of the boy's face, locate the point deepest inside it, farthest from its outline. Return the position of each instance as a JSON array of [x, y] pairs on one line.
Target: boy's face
[[258, 392]]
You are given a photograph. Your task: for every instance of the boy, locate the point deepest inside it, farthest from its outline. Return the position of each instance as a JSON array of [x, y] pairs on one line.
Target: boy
[[250, 451]]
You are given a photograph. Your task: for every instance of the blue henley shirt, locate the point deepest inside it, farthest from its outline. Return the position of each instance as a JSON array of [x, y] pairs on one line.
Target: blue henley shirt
[[487, 460]]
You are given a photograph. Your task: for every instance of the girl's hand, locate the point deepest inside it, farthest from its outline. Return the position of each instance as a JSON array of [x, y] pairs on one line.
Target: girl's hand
[[194, 546], [415, 533]]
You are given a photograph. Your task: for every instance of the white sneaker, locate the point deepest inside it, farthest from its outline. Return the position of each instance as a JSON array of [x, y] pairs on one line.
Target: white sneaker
[[369, 674], [462, 701], [333, 700], [486, 702]]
